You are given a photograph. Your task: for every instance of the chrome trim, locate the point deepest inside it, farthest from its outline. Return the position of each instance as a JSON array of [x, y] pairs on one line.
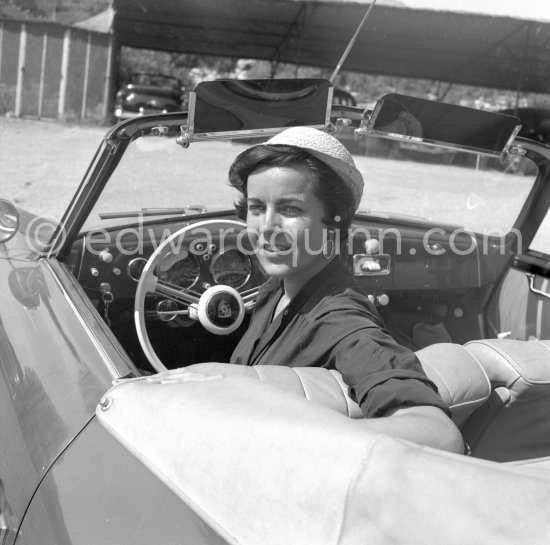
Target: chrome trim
[[197, 137], [196, 262], [536, 291], [511, 140], [108, 147], [329, 103], [221, 254], [115, 370], [478, 258], [381, 260], [191, 113], [131, 264]]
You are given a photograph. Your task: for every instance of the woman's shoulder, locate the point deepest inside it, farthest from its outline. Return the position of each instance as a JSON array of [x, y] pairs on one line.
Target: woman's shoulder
[[341, 294]]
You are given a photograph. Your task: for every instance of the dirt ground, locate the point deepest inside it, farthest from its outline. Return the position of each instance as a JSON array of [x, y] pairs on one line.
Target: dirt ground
[[42, 163]]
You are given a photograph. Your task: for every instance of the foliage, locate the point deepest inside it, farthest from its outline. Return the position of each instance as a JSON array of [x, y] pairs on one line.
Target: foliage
[[61, 11]]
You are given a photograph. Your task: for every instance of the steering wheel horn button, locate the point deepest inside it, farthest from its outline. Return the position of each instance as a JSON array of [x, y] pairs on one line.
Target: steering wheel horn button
[[221, 309]]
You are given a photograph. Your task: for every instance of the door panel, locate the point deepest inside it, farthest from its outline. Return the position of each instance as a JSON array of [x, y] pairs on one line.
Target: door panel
[[521, 306]]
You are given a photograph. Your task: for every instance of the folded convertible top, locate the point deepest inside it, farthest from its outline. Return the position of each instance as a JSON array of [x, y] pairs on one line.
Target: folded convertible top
[[262, 465]]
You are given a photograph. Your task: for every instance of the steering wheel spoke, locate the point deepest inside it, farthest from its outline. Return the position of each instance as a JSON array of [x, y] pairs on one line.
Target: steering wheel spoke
[[179, 295], [249, 298]]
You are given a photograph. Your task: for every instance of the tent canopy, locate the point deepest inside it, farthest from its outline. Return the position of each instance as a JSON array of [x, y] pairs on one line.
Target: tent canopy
[[499, 52]]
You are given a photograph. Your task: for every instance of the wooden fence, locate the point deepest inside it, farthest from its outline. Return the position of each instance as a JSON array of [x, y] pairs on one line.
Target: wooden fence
[[48, 70]]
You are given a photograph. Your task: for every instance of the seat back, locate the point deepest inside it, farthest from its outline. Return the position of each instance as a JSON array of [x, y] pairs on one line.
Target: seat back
[[514, 422], [461, 381]]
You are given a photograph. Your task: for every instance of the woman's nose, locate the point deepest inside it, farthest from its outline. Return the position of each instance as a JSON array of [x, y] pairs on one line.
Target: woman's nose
[[271, 220]]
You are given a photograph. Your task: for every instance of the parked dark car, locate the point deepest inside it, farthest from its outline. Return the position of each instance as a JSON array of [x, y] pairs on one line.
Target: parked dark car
[[119, 421], [147, 93], [535, 123], [342, 97]]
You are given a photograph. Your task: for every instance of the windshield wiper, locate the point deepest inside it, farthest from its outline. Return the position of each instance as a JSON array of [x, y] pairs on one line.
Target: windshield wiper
[[145, 212], [408, 218]]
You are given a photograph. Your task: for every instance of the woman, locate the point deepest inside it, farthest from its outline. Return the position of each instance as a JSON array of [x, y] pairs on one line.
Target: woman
[[300, 190]]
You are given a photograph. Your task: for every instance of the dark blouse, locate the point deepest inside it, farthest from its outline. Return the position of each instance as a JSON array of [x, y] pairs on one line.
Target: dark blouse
[[331, 323]]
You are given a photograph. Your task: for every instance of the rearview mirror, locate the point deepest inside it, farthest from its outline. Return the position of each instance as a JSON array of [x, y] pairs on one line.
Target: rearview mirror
[[9, 220], [401, 117]]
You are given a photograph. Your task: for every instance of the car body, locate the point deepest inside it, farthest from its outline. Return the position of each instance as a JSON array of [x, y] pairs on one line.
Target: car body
[[343, 97], [535, 122], [147, 93], [120, 421]]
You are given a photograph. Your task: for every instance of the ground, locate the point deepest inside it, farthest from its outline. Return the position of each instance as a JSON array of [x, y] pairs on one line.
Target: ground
[[42, 163]]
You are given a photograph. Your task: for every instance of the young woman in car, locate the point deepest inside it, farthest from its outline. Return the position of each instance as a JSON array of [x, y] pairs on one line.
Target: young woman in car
[[300, 190]]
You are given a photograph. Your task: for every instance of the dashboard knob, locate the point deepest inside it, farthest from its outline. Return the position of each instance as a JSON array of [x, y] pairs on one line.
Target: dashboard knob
[[382, 299], [371, 298], [372, 246], [106, 256]]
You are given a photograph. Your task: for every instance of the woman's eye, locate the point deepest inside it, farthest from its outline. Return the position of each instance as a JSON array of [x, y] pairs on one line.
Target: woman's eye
[[291, 210], [255, 209]]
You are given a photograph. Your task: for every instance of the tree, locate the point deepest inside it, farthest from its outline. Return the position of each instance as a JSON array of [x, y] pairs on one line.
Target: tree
[[62, 11]]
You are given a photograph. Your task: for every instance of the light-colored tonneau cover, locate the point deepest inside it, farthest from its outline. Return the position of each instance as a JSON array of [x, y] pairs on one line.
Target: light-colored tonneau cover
[[265, 466]]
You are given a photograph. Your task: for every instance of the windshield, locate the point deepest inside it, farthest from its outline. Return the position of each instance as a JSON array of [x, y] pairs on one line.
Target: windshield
[[157, 177]]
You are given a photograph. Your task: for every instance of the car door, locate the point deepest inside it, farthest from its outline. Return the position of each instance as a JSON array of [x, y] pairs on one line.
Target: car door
[[520, 304], [437, 233]]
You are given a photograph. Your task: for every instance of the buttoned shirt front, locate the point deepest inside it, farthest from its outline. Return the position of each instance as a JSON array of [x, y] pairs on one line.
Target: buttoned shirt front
[[331, 323]]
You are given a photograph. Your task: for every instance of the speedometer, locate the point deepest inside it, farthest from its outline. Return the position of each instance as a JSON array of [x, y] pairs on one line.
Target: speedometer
[[231, 268], [181, 270]]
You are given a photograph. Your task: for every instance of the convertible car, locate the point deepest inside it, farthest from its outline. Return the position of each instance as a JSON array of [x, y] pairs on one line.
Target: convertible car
[[122, 423]]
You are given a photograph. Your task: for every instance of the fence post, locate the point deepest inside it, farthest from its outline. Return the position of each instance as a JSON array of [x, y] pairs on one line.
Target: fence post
[[42, 73], [86, 76], [64, 73], [108, 70], [20, 69], [1, 42]]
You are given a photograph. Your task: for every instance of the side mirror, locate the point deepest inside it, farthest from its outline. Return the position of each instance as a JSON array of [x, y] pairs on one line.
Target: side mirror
[[9, 220]]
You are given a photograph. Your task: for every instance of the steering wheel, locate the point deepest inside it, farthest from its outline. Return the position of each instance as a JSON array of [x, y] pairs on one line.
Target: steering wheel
[[220, 309]]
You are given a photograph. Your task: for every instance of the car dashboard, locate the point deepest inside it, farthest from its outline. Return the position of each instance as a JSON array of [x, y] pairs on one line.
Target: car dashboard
[[414, 274]]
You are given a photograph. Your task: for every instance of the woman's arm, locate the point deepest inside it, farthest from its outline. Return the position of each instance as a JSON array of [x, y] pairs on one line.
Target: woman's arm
[[424, 425]]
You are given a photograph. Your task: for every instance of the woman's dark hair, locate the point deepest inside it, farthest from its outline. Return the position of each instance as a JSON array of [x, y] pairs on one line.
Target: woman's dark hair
[[326, 184]]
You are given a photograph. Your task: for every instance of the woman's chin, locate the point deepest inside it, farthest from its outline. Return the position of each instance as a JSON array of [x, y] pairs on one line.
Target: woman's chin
[[276, 270]]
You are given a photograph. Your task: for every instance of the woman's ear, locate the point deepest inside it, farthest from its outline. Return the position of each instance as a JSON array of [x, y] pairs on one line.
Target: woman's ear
[[329, 246]]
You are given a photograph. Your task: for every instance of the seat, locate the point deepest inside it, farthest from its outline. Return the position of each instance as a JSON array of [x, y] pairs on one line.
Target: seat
[[514, 422], [460, 379], [498, 391]]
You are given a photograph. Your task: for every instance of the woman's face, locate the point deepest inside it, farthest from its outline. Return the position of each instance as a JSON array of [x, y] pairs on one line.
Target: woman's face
[[284, 221]]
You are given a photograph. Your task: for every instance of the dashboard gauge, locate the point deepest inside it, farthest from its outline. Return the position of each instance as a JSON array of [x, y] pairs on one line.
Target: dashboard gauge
[[181, 269], [231, 268], [135, 268]]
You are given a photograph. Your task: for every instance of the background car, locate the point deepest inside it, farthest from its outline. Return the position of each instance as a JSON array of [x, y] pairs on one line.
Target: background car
[[148, 93], [535, 122]]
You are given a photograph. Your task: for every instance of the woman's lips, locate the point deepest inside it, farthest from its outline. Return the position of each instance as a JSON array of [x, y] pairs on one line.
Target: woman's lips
[[275, 249]]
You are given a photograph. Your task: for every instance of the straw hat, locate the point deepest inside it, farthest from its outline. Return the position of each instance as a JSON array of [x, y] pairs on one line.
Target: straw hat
[[324, 147]]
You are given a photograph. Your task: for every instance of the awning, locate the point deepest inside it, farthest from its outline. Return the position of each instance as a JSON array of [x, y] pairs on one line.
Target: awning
[[487, 51]]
